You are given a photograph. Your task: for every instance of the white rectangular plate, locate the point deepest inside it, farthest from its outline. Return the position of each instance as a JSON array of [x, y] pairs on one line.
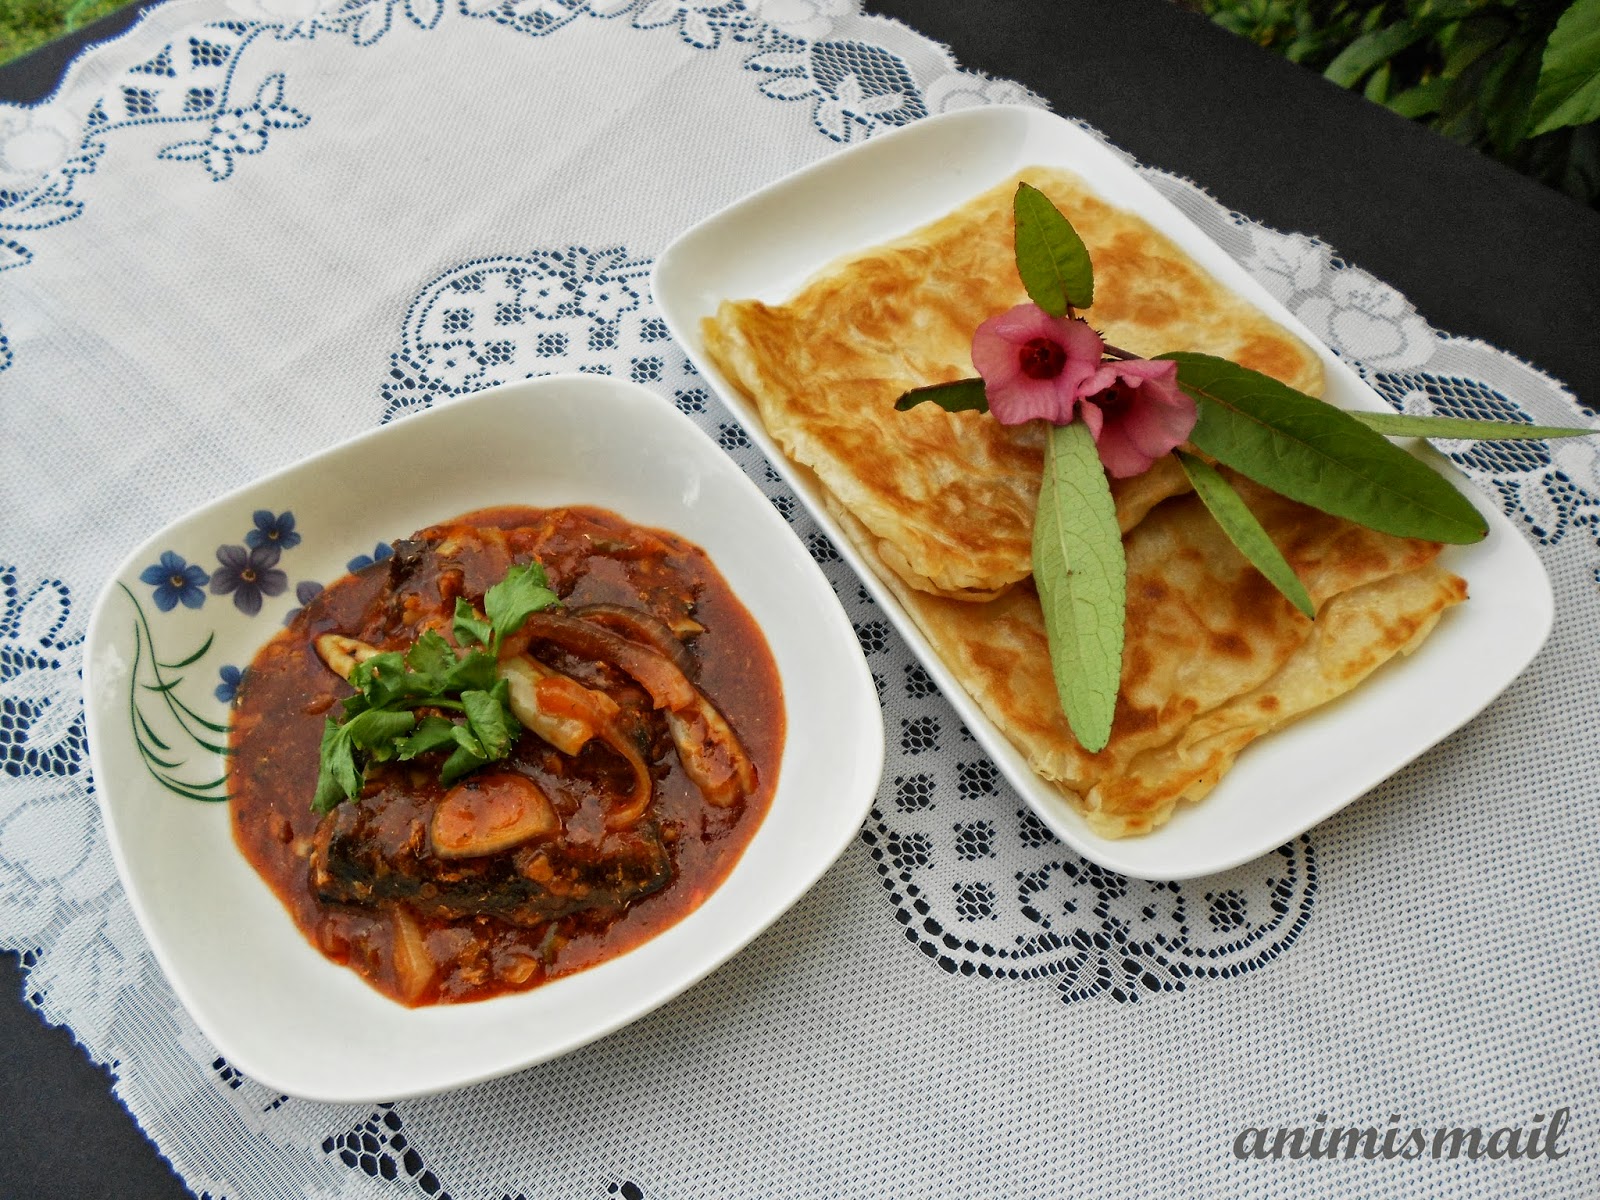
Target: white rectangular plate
[[769, 244], [266, 998]]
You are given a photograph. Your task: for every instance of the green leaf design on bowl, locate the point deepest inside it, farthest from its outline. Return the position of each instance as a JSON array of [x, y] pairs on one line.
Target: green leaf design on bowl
[[185, 736]]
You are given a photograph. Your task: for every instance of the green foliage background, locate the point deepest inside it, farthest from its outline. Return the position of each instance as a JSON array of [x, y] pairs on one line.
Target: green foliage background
[[26, 24], [1516, 79]]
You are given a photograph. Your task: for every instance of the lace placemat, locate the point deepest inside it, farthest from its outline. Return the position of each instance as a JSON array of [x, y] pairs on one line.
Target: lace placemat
[[249, 229]]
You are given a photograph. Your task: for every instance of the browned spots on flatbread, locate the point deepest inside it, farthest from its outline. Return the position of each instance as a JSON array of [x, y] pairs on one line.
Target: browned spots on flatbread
[[941, 504], [950, 496]]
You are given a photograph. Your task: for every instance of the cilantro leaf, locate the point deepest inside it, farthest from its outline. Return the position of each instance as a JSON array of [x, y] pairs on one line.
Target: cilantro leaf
[[491, 720], [468, 755], [376, 729], [469, 626], [337, 777], [380, 678], [475, 672], [380, 721], [524, 590], [433, 734], [430, 658]]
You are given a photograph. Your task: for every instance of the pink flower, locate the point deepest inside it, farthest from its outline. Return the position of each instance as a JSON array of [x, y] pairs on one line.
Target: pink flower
[[1038, 366], [1035, 365], [1136, 412]]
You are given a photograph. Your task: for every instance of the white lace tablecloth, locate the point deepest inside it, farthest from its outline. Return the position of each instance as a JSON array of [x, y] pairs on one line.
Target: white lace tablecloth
[[249, 229]]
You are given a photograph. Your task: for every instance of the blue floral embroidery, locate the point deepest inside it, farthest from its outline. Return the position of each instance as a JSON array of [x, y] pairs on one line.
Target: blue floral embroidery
[[231, 677], [362, 561], [240, 130], [272, 530], [175, 581], [856, 88], [248, 575]]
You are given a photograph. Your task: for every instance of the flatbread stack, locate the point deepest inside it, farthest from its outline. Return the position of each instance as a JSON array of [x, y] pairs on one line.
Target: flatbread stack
[[941, 504]]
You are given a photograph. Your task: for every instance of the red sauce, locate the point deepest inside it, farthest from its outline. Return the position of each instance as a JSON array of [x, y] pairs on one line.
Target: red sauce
[[364, 884]]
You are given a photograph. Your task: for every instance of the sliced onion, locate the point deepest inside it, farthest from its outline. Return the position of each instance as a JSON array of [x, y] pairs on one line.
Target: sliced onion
[[640, 626], [414, 967], [667, 685], [627, 816], [582, 713], [523, 676]]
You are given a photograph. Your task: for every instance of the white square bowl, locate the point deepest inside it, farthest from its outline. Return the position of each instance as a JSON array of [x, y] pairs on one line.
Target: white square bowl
[[269, 1001], [769, 244]]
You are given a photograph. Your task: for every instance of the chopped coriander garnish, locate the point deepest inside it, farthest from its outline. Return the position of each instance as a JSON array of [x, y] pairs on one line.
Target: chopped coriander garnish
[[380, 722]]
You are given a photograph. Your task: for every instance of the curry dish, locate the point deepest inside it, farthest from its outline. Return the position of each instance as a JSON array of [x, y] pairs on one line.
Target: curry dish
[[652, 728]]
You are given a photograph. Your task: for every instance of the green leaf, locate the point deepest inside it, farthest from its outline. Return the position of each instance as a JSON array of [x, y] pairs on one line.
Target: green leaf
[[964, 395], [1569, 74], [1373, 49], [1319, 455], [1506, 94], [1244, 531], [468, 756], [381, 678], [430, 659], [1463, 428], [1377, 88], [376, 729], [1051, 257], [1423, 100], [521, 592], [433, 734], [491, 721], [337, 776], [1469, 40], [469, 627], [1079, 567], [476, 670]]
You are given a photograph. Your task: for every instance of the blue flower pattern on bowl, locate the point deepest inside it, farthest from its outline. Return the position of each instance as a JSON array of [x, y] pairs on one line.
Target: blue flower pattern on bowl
[[248, 575], [362, 561], [272, 530], [179, 744], [228, 690], [305, 592], [176, 582]]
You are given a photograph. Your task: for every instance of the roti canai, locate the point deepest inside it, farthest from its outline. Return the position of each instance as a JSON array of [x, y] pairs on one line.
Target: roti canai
[[941, 504], [948, 498]]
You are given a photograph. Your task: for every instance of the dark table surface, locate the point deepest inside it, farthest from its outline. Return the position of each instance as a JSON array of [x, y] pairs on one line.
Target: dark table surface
[[1479, 250]]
